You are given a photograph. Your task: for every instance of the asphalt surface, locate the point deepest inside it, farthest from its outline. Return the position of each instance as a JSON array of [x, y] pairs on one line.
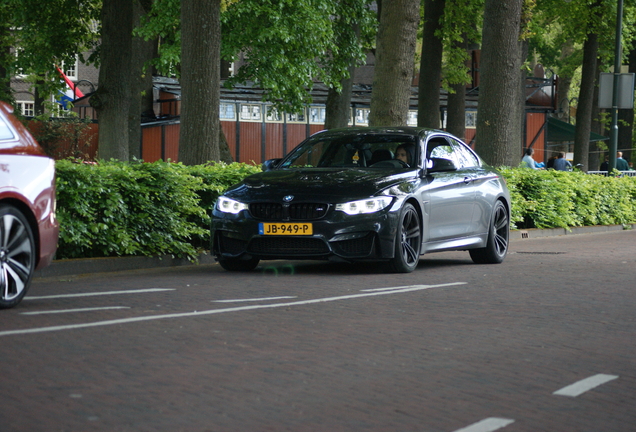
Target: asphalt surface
[[102, 265], [542, 342]]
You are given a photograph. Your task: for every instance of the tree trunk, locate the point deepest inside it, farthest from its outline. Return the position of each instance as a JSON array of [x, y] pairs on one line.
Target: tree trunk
[[564, 83], [39, 106], [200, 81], [521, 106], [393, 73], [112, 97], [141, 92], [586, 101], [456, 120], [338, 105], [428, 113], [498, 122], [597, 126]]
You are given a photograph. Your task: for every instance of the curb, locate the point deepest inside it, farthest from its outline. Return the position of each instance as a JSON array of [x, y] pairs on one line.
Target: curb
[[554, 232], [79, 266]]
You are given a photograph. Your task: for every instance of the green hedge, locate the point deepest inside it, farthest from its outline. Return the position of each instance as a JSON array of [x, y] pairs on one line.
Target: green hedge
[[116, 209], [560, 199]]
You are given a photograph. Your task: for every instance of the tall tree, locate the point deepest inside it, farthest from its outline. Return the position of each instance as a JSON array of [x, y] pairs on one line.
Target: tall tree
[[113, 93], [141, 99], [200, 81], [499, 122], [393, 73], [428, 112], [586, 101]]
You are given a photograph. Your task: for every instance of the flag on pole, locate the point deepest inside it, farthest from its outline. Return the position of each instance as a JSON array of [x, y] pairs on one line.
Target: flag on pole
[[71, 93]]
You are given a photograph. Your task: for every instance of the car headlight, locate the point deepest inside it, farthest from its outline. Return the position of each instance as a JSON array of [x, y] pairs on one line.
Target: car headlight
[[227, 205], [369, 205]]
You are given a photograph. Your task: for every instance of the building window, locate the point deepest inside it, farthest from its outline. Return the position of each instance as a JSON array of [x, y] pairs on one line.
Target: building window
[[251, 112], [471, 119], [297, 117], [317, 115], [227, 111], [26, 108], [273, 115], [362, 116], [70, 70], [412, 119]]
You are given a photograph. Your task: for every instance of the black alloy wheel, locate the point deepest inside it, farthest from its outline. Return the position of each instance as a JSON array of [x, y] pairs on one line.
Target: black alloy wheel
[[408, 239], [498, 238]]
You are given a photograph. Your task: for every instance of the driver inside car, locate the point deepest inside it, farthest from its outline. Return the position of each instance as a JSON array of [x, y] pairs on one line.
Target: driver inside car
[[404, 153]]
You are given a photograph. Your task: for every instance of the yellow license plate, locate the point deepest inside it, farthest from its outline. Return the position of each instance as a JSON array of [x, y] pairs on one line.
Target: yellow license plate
[[285, 229]]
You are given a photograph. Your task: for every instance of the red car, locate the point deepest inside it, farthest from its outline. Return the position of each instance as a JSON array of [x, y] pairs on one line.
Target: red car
[[28, 226]]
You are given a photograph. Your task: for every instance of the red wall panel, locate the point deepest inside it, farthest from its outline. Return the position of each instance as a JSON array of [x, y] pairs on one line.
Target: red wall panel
[[250, 143], [274, 141]]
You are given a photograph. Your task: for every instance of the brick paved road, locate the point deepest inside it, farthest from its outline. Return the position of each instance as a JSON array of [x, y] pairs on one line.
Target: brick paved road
[[491, 345]]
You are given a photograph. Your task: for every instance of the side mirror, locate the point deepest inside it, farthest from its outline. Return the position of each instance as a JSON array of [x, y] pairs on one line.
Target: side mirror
[[434, 165], [270, 164]]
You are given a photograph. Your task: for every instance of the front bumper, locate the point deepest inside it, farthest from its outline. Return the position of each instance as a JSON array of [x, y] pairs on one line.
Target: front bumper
[[337, 237]]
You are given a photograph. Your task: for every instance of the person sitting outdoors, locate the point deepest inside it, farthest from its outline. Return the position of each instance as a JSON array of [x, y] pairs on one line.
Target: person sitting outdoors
[[527, 160], [561, 163]]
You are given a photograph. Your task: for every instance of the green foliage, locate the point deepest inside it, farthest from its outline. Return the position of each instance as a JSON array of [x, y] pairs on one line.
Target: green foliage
[[118, 208], [164, 24], [558, 199], [286, 45], [45, 35], [461, 25]]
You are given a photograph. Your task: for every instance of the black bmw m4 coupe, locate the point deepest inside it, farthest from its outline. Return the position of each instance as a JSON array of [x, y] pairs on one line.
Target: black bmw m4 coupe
[[385, 194]]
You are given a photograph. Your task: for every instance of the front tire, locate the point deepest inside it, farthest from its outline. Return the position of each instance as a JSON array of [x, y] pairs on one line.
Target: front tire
[[408, 239], [17, 256], [498, 238], [235, 264]]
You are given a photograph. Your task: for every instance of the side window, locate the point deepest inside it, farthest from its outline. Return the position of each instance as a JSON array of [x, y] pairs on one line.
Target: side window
[[442, 149], [466, 158], [5, 131]]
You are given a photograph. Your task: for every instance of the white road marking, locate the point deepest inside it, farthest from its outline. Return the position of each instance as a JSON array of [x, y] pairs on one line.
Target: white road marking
[[253, 299], [217, 311], [487, 425], [584, 385], [74, 310], [410, 286], [55, 296]]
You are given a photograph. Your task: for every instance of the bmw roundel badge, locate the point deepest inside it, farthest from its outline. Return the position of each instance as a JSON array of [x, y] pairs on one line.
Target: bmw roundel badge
[[288, 198]]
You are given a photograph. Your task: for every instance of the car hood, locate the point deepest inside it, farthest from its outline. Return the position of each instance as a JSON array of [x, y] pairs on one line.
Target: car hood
[[317, 184]]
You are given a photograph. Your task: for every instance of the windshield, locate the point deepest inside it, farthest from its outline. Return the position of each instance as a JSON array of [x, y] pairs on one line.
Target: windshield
[[355, 150]]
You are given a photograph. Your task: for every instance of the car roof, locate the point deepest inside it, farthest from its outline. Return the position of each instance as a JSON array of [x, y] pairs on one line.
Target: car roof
[[407, 130]]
